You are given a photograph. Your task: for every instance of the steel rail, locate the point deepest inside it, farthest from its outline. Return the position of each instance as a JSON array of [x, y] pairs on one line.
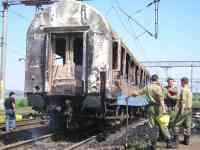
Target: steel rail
[[22, 143], [26, 123], [23, 129], [80, 143]]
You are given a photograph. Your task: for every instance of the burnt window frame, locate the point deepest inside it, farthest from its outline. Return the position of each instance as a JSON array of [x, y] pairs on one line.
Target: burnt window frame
[[115, 62], [122, 60]]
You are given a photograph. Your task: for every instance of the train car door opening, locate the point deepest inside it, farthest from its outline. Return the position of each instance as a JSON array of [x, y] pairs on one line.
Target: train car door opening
[[68, 61]]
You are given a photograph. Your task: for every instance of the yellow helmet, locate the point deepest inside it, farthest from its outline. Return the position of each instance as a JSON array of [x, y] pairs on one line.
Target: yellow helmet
[[19, 117], [163, 120]]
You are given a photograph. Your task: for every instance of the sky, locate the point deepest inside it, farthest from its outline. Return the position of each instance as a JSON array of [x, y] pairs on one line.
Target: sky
[[178, 37]]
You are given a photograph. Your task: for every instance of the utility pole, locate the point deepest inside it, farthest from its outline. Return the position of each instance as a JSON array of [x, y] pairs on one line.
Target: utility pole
[[191, 78], [156, 18], [166, 69], [3, 46]]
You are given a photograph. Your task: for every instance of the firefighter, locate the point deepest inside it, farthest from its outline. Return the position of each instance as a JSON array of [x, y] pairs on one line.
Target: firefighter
[[184, 116], [155, 95]]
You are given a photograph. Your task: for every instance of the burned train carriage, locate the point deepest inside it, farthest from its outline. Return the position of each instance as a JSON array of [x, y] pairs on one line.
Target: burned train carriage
[[73, 59]]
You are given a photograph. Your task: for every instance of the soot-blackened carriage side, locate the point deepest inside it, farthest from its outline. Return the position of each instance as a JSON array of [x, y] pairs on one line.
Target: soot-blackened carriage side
[[73, 59]]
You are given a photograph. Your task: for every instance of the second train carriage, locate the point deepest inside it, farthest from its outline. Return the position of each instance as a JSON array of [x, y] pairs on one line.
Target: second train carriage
[[73, 59]]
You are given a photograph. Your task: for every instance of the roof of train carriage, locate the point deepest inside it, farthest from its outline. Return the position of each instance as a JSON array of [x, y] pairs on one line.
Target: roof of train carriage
[[67, 13], [70, 13]]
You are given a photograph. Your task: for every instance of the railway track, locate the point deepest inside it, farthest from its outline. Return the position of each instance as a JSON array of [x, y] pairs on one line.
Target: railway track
[[31, 142], [25, 126], [196, 113], [76, 145], [25, 123], [24, 132], [84, 140], [26, 142]]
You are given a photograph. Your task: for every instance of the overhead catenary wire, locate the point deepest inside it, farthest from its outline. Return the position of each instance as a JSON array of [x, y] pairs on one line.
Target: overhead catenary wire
[[122, 23], [131, 34], [138, 41], [19, 15], [109, 9], [146, 6], [17, 53], [134, 20]]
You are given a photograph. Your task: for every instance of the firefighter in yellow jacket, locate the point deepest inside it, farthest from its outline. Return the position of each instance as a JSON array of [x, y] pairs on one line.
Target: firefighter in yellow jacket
[[184, 116], [155, 95]]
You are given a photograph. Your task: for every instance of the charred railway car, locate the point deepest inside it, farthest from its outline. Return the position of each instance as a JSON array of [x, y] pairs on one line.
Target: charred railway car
[[73, 59]]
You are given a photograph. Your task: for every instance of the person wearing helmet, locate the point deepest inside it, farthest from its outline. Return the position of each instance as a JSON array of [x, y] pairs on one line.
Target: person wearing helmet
[[184, 116]]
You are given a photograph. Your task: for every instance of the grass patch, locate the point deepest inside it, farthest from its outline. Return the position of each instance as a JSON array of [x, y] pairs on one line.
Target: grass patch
[[196, 100], [196, 104], [21, 102]]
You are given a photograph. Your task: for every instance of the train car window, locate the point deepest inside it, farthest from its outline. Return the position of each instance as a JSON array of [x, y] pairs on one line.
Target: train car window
[[148, 79], [144, 79], [141, 78], [122, 60], [136, 75], [60, 44], [132, 72], [127, 66], [78, 51], [115, 55]]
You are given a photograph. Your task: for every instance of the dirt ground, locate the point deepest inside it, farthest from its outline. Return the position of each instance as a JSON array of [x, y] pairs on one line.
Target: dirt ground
[[194, 146]]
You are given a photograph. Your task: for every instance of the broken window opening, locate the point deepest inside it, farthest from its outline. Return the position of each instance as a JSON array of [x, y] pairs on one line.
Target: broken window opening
[[136, 75], [144, 79], [122, 60], [60, 47], [78, 51], [127, 66], [141, 78], [115, 55], [132, 72]]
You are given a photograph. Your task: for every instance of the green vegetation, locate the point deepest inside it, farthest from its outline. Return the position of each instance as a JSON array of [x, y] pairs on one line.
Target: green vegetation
[[196, 100], [21, 102]]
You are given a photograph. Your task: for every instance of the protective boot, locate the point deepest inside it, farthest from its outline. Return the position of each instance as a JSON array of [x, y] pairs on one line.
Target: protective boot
[[153, 145], [171, 144], [186, 140], [176, 140]]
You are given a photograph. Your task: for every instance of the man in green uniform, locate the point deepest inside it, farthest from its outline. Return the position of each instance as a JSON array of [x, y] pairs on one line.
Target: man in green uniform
[[184, 116], [155, 95], [170, 95]]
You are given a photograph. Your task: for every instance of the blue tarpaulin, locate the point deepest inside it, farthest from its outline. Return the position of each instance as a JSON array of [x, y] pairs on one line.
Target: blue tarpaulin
[[132, 101]]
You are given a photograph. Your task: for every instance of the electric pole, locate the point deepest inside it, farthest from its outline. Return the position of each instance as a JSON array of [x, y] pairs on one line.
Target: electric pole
[[191, 78], [3, 46]]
